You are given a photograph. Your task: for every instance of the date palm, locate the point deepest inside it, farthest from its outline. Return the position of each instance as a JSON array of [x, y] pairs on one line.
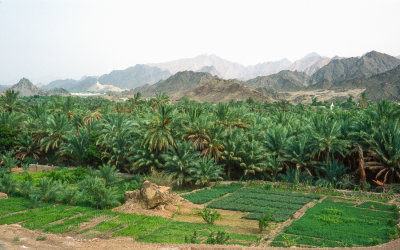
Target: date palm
[[158, 137], [90, 117], [10, 100], [385, 144], [75, 147], [56, 127], [178, 161], [26, 146], [232, 148], [205, 170]]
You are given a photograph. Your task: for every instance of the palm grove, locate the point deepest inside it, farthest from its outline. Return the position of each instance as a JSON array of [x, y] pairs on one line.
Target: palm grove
[[352, 144]]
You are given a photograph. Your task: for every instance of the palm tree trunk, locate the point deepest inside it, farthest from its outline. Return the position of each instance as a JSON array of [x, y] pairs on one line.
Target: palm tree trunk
[[327, 157]]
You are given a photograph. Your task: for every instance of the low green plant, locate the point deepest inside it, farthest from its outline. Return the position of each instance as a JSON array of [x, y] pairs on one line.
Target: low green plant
[[49, 189], [210, 215], [290, 240], [16, 238], [8, 184], [109, 173], [267, 186], [220, 238], [70, 196], [97, 193], [193, 239], [264, 221]]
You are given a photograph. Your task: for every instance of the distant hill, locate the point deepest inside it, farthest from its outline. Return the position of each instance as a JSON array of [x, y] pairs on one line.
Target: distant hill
[[263, 69], [385, 85], [310, 63], [73, 85], [210, 69], [27, 88], [283, 81], [339, 70], [178, 82], [133, 77], [219, 90]]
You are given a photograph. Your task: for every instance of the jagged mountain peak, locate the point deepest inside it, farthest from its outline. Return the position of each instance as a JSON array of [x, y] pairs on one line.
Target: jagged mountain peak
[[312, 54]]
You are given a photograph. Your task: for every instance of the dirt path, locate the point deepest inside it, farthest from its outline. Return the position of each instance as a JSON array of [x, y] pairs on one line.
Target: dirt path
[[276, 231]]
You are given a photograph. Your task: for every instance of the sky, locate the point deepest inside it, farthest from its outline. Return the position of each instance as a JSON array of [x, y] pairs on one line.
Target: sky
[[45, 40]]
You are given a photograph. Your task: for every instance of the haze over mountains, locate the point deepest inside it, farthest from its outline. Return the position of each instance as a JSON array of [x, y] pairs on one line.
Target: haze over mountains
[[206, 78]]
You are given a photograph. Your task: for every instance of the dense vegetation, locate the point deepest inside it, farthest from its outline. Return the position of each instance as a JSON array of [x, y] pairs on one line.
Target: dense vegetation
[[200, 142]]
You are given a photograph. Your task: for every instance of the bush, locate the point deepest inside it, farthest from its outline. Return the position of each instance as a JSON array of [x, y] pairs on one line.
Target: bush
[[192, 239], [221, 238], [97, 194], [264, 221], [109, 174], [8, 184], [161, 179], [70, 196], [210, 215], [49, 189]]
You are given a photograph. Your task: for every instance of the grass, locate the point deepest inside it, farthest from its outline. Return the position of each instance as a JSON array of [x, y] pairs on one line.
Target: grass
[[280, 204], [12, 205], [206, 195], [340, 222], [378, 206]]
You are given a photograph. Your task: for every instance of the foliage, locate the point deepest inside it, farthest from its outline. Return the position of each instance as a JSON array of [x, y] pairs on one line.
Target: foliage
[[8, 184], [210, 215], [263, 221], [49, 189], [206, 195], [220, 238], [204, 171]]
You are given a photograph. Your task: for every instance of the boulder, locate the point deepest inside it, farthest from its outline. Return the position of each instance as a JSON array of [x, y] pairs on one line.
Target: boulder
[[3, 196], [150, 195]]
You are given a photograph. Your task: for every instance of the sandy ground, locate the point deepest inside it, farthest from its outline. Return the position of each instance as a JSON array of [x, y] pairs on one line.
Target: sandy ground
[[322, 95]]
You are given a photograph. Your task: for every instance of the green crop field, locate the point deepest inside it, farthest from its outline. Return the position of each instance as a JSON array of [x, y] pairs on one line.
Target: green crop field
[[340, 224], [206, 195], [281, 204]]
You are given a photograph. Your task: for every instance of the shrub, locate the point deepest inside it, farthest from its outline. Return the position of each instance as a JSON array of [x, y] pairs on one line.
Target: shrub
[[41, 238], [161, 178], [109, 174], [97, 194], [8, 184], [210, 215], [221, 238], [192, 238], [70, 196], [27, 187], [49, 189], [264, 221]]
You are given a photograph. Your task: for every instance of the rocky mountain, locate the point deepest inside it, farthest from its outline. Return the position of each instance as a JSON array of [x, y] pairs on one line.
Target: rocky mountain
[[135, 76], [227, 69], [283, 81], [385, 85], [73, 85], [178, 82], [398, 57], [220, 90], [27, 88], [98, 87], [339, 70], [310, 63], [210, 69], [264, 69]]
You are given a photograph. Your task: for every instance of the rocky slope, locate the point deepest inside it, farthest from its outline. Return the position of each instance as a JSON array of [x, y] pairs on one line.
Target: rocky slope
[[220, 90], [339, 70], [283, 81], [27, 88], [310, 63], [178, 82]]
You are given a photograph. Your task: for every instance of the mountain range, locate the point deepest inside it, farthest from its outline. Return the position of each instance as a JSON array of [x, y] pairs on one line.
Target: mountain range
[[375, 72], [27, 88]]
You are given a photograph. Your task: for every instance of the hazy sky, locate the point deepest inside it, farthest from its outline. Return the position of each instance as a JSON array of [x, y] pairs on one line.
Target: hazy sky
[[52, 39]]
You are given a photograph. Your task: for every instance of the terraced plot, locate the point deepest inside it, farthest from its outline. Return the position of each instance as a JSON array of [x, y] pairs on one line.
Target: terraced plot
[[206, 195], [281, 204], [339, 224]]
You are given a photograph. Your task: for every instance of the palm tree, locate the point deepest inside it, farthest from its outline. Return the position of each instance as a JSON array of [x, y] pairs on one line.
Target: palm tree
[[385, 145], [327, 137], [158, 136], [75, 147], [253, 157], [232, 147], [298, 151], [56, 128], [26, 146], [89, 117], [9, 100], [179, 160], [204, 171]]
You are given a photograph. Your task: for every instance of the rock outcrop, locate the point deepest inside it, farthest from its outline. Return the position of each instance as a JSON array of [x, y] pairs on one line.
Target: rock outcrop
[[3, 196]]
